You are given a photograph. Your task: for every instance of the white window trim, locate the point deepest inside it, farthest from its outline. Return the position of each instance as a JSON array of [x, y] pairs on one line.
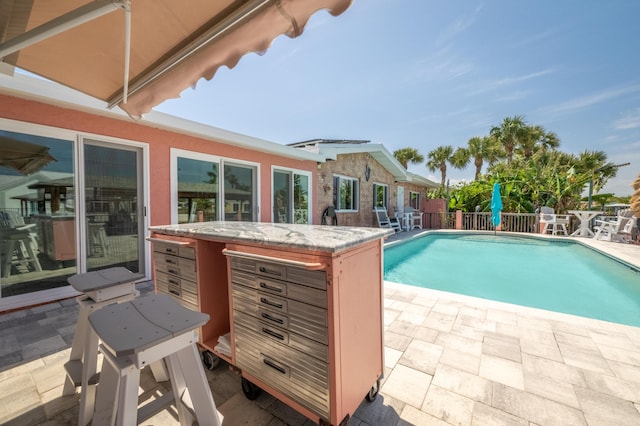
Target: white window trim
[[410, 199], [221, 161], [386, 200], [75, 136], [356, 195], [306, 173]]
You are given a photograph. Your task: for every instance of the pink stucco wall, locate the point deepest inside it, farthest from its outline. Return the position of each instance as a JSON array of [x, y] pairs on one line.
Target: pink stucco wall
[[160, 141]]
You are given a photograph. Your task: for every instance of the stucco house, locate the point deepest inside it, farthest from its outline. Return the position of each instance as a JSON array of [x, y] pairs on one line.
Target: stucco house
[[102, 179], [359, 176]]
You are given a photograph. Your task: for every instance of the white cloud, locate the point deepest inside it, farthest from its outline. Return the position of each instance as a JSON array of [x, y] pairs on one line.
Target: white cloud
[[456, 27], [629, 121], [590, 100]]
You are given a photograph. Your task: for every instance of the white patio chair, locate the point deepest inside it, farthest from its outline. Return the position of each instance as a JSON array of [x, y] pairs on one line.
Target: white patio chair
[[553, 222], [619, 229], [384, 221], [414, 219]]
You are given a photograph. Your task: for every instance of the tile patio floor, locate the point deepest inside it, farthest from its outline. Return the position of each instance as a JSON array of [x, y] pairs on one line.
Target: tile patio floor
[[449, 359]]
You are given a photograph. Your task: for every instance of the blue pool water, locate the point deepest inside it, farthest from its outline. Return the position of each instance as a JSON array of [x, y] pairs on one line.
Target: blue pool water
[[557, 276]]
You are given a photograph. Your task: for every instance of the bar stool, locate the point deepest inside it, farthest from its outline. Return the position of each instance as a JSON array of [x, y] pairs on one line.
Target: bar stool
[[138, 333], [99, 288]]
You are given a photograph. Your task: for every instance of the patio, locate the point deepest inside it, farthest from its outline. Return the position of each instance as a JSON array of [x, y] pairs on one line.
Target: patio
[[449, 359]]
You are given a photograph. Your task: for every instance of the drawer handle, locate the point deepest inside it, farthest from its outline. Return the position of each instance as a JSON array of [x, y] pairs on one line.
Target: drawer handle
[[173, 271], [270, 287], [174, 282], [272, 318], [272, 333], [270, 303], [171, 251], [174, 292], [270, 271], [274, 365], [171, 261]]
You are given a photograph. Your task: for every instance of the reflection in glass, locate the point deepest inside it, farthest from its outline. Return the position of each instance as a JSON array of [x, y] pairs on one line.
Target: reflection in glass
[[281, 197], [301, 198], [111, 203], [239, 193], [290, 207], [37, 214], [197, 190]]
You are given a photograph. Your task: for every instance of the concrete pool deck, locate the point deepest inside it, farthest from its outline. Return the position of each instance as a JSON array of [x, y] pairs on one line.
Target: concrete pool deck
[[449, 359]]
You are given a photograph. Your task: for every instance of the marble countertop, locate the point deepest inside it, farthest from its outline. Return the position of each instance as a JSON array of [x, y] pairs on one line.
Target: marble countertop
[[308, 237]]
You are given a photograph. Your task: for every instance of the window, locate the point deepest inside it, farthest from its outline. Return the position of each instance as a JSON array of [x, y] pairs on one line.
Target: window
[[240, 195], [414, 200], [290, 196], [380, 197], [197, 189], [345, 193], [219, 189]]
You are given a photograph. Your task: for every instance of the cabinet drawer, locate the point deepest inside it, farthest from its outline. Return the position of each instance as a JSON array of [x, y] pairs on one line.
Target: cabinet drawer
[[314, 328], [293, 309], [302, 378], [189, 302], [302, 293], [268, 330], [184, 265], [315, 279], [174, 249], [177, 281], [184, 268]]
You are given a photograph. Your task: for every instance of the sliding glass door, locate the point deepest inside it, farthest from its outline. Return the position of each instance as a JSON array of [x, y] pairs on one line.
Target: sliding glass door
[[114, 206], [290, 196]]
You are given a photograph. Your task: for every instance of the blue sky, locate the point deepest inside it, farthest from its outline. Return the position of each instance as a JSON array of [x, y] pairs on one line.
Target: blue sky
[[421, 74]]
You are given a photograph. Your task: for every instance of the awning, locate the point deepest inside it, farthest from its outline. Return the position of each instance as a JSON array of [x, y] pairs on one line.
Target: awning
[[166, 45], [24, 157]]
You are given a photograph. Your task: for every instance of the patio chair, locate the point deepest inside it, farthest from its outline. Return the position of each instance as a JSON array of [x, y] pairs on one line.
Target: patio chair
[[384, 221], [553, 222], [619, 229], [19, 244], [414, 219]]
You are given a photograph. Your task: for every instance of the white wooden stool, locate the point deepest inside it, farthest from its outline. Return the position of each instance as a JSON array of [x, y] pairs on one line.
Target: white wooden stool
[[139, 333], [100, 288]]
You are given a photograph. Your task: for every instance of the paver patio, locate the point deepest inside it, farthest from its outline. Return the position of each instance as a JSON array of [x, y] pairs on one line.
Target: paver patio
[[449, 359]]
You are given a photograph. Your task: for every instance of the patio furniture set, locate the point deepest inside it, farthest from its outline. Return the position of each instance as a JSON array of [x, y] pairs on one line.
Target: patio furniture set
[[621, 228]]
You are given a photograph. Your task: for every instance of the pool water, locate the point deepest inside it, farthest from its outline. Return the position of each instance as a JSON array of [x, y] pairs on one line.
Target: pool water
[[558, 276]]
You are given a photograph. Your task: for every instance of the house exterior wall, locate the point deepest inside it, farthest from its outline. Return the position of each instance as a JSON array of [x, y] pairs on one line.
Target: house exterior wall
[[354, 166], [160, 142]]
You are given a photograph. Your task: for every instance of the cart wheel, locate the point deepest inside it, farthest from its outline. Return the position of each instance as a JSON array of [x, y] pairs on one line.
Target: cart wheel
[[209, 360], [250, 390], [373, 392]]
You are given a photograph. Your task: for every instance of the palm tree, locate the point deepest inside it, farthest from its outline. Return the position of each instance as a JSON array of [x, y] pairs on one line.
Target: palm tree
[[438, 159], [481, 149], [408, 155], [534, 139], [509, 134]]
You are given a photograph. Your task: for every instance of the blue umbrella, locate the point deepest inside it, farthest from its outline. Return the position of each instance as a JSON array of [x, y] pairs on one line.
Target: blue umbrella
[[496, 205]]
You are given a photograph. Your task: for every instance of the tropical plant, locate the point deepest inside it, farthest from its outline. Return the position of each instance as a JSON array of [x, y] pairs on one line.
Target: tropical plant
[[482, 149], [437, 159], [509, 134], [408, 155]]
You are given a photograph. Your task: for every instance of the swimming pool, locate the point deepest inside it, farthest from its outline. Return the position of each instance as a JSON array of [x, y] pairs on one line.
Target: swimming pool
[[561, 276]]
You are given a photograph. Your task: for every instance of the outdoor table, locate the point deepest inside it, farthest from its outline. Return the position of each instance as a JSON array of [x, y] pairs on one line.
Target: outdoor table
[[585, 217]]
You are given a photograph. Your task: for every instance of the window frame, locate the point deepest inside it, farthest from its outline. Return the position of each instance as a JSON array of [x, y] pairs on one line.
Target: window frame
[[417, 199], [338, 180], [292, 173], [376, 187]]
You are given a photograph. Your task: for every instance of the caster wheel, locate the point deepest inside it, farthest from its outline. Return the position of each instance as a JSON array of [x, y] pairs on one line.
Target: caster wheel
[[209, 360], [250, 390], [373, 392]]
